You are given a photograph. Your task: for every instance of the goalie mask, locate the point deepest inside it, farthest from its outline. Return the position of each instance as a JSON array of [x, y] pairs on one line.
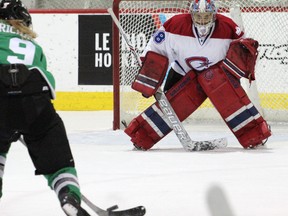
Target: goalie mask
[[203, 14], [15, 10]]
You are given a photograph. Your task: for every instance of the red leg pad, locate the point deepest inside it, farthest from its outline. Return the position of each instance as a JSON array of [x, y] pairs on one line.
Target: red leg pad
[[151, 125], [255, 135], [186, 96], [139, 135], [233, 104]]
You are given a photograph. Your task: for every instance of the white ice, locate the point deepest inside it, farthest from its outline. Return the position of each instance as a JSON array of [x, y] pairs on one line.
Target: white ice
[[167, 180]]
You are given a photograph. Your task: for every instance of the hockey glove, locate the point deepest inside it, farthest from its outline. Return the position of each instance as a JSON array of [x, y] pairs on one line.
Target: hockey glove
[[151, 74], [241, 58]]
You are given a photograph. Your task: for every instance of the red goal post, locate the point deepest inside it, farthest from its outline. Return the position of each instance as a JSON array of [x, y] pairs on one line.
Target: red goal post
[[263, 20]]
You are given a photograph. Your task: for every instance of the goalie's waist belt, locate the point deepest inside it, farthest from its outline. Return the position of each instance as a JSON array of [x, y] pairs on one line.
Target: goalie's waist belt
[[17, 79]]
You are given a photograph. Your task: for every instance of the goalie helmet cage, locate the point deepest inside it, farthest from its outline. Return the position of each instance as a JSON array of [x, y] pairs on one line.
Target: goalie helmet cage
[[263, 20]]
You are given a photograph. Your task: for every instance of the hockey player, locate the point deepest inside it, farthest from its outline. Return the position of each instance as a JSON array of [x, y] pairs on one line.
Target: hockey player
[[208, 54], [26, 90]]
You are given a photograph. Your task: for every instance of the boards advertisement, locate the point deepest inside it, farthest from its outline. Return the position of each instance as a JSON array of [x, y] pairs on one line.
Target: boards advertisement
[[95, 50]]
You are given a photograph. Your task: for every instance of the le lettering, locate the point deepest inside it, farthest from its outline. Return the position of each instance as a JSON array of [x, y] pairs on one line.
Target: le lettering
[[103, 57]]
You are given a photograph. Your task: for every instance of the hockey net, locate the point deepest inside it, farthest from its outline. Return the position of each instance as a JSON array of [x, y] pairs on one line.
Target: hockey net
[[263, 20]]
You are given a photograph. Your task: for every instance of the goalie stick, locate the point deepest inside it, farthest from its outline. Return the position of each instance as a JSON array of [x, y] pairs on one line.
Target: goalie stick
[[184, 138]]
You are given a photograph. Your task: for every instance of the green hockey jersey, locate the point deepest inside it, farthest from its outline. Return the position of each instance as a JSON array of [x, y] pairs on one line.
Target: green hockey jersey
[[15, 48]]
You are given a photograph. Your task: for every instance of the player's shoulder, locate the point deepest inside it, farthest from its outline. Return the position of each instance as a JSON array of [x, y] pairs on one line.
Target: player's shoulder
[[225, 20], [226, 28], [179, 24]]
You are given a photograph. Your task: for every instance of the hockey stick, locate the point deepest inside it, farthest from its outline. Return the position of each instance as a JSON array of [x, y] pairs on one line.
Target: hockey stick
[[135, 211], [184, 138]]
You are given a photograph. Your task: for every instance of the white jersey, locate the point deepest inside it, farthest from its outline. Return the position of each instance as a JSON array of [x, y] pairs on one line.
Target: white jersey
[[178, 40]]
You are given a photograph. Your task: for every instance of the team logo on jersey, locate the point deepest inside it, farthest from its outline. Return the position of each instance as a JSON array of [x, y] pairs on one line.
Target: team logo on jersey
[[198, 62], [159, 37]]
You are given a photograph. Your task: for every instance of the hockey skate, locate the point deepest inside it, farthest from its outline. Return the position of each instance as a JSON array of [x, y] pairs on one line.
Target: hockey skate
[[71, 205], [262, 145]]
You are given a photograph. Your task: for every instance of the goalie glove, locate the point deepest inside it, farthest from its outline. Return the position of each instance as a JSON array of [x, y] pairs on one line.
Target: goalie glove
[[151, 74], [241, 58]]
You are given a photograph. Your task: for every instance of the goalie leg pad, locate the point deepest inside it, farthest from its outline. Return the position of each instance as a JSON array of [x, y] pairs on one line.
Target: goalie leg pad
[[152, 125], [186, 96], [256, 135], [233, 104], [148, 128]]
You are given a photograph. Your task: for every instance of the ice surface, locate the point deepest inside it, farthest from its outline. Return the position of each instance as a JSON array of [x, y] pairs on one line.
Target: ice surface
[[167, 180]]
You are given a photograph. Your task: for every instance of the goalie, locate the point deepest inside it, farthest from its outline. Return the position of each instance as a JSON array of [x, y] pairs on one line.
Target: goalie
[[208, 55]]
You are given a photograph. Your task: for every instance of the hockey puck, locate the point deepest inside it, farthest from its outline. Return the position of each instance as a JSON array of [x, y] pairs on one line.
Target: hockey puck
[[112, 208]]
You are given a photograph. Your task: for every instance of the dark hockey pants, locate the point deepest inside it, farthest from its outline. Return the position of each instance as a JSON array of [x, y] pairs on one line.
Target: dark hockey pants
[[33, 116]]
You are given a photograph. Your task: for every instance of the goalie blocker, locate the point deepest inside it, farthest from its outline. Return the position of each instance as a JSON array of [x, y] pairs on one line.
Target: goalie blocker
[[151, 74], [224, 90]]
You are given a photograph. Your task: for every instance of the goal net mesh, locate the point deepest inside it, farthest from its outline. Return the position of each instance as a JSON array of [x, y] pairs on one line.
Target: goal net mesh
[[263, 20]]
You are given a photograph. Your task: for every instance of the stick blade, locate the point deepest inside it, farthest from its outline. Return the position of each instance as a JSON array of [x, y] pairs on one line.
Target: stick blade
[[136, 211], [210, 144]]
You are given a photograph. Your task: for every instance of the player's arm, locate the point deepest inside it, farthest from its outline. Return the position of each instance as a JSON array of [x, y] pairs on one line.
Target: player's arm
[[157, 43], [155, 62]]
